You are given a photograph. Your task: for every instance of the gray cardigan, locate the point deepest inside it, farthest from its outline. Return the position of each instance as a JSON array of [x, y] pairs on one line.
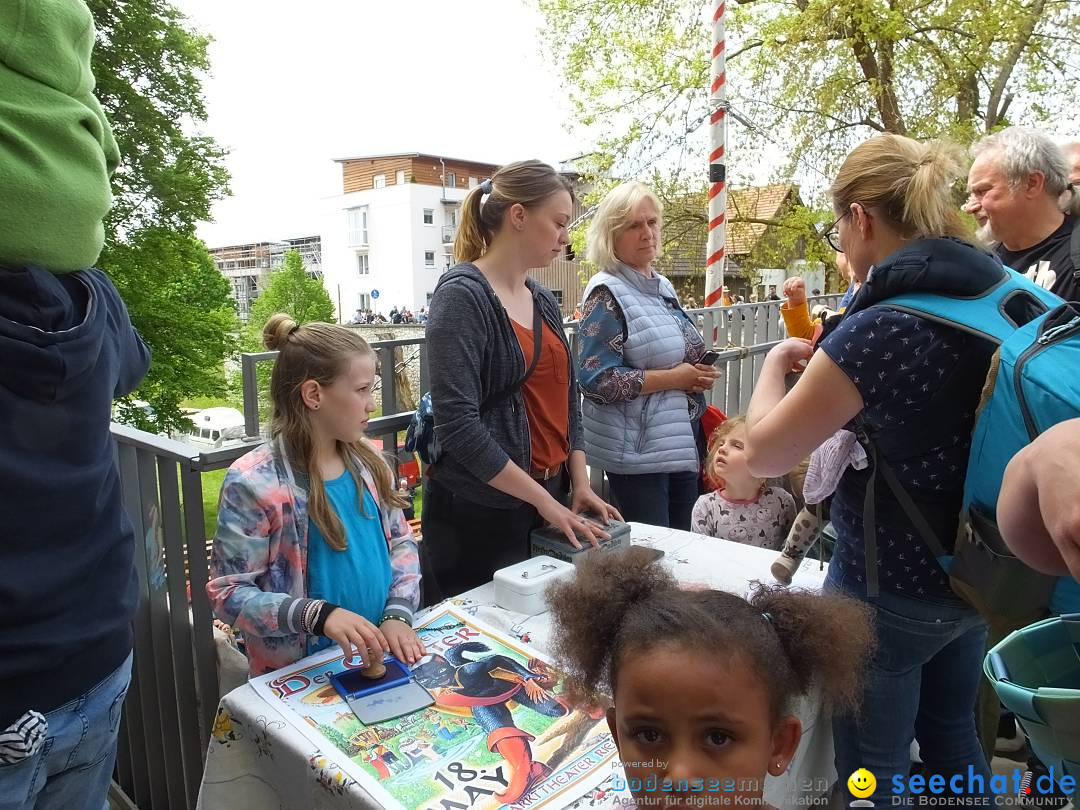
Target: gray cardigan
[[473, 354]]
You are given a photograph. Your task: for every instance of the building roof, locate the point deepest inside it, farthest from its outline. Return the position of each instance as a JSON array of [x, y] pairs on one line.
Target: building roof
[[685, 253], [415, 155], [754, 202]]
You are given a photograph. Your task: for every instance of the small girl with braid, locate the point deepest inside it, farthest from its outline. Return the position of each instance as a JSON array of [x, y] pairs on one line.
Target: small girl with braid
[[703, 681], [743, 509]]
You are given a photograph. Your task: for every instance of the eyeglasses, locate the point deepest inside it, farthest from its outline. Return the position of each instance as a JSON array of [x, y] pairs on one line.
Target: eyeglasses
[[832, 235]]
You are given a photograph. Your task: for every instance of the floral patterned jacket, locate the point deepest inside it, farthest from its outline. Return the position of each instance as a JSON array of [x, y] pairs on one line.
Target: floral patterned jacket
[[258, 567]]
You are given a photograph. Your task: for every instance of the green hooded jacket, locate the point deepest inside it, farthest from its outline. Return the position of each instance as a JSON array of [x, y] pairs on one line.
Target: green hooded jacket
[[57, 150]]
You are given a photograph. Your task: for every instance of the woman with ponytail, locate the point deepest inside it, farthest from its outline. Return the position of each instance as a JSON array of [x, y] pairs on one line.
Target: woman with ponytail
[[909, 388], [703, 681], [503, 388], [312, 547]]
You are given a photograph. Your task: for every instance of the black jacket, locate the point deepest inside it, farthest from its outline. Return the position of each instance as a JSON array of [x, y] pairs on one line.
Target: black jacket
[[473, 354], [68, 588]]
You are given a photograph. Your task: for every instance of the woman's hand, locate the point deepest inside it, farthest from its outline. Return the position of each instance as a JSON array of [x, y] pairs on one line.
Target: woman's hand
[[791, 355], [693, 378], [355, 635], [795, 292], [585, 500], [566, 521], [404, 643]]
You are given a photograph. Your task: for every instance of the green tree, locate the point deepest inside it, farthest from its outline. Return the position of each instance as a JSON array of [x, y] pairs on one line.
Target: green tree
[[149, 64], [292, 291], [175, 293], [807, 79]]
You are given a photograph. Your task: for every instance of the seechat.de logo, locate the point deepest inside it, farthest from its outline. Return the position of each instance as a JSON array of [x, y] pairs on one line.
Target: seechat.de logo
[[861, 784]]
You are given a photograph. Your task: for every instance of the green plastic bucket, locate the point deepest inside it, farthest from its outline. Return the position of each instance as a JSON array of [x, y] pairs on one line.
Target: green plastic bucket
[[1036, 673]]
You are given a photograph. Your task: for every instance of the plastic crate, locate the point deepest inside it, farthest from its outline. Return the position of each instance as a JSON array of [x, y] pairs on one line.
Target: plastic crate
[[1036, 673]]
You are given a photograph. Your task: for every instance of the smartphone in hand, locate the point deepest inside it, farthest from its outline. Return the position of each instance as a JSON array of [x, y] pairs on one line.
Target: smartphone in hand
[[710, 358]]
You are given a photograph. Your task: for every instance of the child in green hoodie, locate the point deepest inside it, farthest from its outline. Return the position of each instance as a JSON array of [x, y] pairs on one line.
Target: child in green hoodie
[[57, 150], [67, 575]]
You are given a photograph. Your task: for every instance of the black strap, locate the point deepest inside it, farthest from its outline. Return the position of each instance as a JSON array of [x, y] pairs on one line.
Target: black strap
[[911, 509], [538, 334]]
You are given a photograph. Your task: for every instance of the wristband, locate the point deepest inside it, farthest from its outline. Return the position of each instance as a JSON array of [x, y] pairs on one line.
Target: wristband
[[387, 617], [320, 620]]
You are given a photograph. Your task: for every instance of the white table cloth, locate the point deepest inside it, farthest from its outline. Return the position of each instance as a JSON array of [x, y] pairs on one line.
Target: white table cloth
[[257, 760]]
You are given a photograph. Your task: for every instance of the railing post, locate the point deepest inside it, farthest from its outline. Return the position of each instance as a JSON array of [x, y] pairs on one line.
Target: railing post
[[249, 376]]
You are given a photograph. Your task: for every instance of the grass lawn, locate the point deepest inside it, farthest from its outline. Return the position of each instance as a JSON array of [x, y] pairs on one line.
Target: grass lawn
[[211, 488]]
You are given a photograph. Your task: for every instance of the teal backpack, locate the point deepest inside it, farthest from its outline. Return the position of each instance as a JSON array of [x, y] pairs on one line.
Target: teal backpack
[[1033, 384]]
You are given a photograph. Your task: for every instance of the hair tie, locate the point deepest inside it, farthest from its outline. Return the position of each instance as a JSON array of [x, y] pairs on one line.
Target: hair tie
[[293, 330], [767, 616], [486, 187]]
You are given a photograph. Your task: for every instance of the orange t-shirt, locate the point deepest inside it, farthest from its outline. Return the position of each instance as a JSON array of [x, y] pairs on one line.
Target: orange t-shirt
[[547, 401]]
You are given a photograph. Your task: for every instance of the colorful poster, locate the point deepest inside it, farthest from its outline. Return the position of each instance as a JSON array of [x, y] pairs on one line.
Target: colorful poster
[[501, 733]]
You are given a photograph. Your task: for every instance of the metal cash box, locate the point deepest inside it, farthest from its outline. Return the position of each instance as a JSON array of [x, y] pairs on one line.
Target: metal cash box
[[521, 588], [550, 541]]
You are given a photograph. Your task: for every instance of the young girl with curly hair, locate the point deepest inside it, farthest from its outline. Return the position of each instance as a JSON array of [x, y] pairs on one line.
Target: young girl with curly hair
[[703, 681]]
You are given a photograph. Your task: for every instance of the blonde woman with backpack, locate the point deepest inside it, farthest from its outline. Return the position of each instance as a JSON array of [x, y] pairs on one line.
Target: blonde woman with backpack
[[913, 385]]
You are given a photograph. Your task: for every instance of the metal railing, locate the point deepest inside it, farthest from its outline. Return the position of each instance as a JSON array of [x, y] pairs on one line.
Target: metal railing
[[170, 708], [740, 332]]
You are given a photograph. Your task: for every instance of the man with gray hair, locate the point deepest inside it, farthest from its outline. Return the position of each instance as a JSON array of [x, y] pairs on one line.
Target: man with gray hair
[[1072, 157], [1019, 183]]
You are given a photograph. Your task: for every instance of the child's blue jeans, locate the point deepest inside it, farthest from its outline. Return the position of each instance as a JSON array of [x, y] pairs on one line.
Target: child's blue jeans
[[73, 767]]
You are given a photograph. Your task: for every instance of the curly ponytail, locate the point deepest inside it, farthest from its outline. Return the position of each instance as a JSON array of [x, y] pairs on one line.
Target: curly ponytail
[[618, 603]]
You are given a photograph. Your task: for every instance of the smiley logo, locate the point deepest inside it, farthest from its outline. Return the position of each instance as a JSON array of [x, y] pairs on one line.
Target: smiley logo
[[861, 783]]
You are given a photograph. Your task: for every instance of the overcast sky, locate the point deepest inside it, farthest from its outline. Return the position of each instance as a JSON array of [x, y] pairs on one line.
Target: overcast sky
[[296, 84]]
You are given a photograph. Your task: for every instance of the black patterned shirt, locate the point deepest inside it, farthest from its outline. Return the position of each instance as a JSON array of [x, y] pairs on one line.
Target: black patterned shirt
[[898, 362]]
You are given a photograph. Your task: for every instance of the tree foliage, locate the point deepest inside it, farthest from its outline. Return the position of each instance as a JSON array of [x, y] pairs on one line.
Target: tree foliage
[[149, 64], [292, 291], [175, 294], [807, 79]]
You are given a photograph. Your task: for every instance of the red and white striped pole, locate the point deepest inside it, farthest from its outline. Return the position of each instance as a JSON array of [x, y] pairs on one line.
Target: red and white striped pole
[[714, 264]]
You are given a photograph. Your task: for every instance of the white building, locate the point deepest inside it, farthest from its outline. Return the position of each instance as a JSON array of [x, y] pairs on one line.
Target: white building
[[389, 235]]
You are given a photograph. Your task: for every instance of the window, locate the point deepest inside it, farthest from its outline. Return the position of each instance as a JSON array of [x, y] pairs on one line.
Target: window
[[399, 178], [558, 296], [451, 179], [363, 302], [473, 182], [452, 216], [358, 226], [363, 266], [379, 181], [429, 258], [429, 216]]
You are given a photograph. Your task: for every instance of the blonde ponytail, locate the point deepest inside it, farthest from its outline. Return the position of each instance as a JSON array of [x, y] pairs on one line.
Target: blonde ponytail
[[928, 203], [471, 240], [908, 182], [527, 183]]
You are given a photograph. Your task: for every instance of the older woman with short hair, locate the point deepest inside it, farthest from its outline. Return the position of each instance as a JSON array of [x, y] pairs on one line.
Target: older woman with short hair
[[638, 354]]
